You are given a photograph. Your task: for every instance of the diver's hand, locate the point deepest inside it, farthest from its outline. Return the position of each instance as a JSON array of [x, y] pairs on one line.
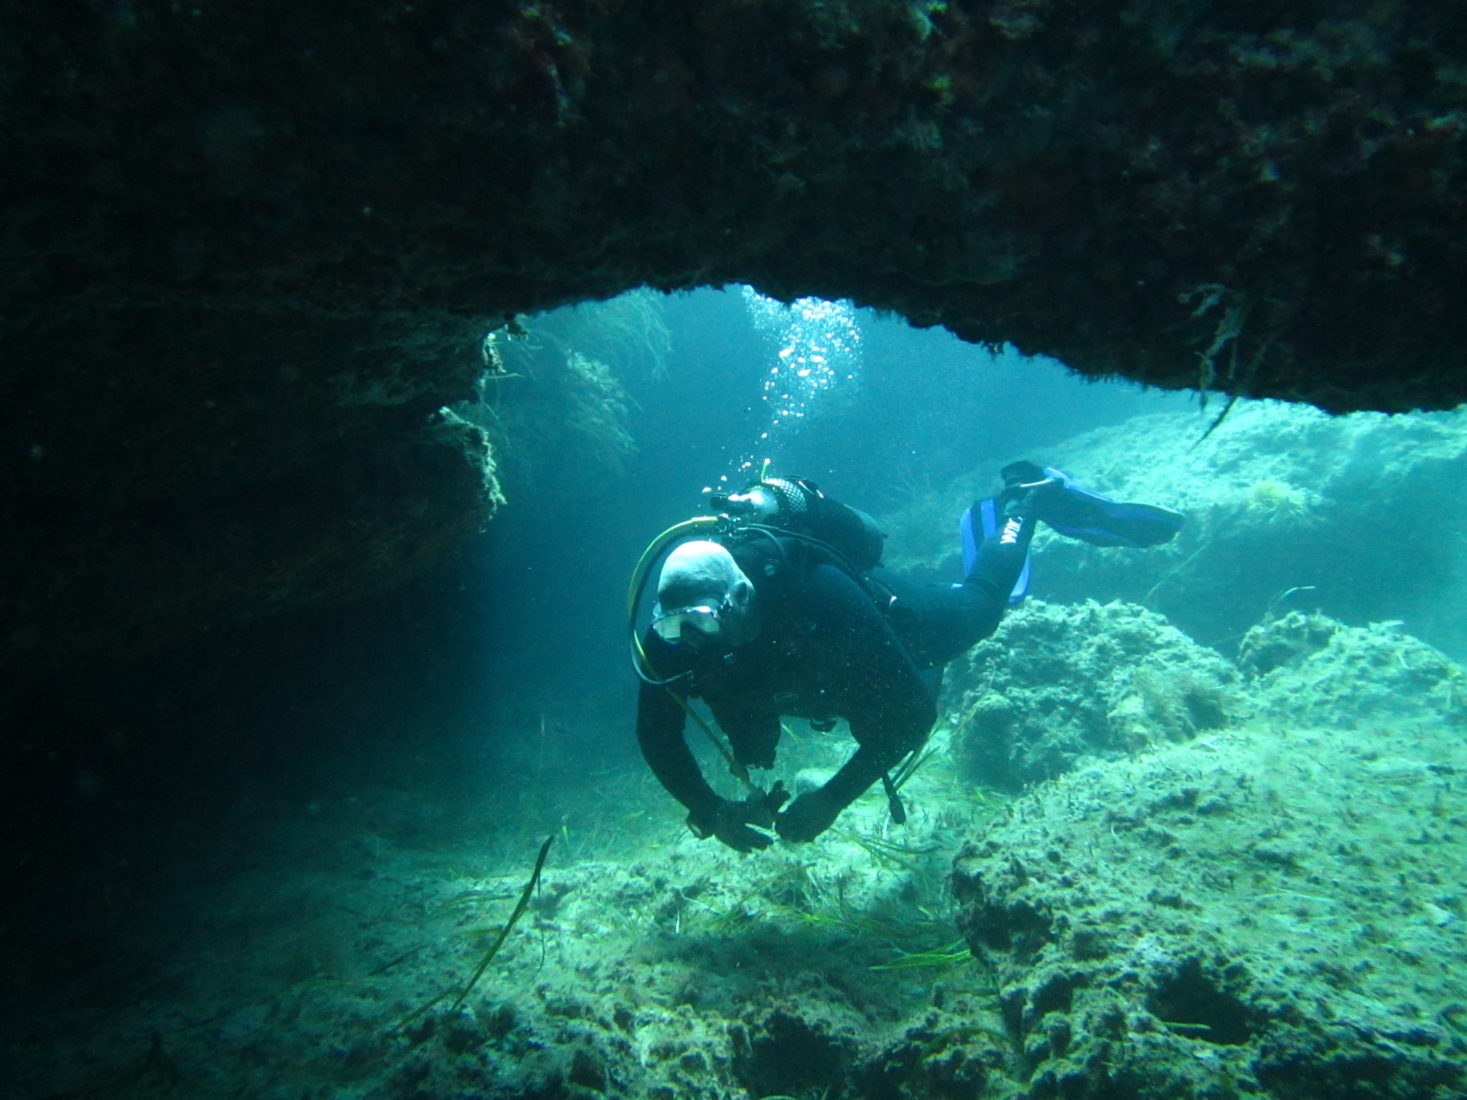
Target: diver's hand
[[730, 821], [808, 816]]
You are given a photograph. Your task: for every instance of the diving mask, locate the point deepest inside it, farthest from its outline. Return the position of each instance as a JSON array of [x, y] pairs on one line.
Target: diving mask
[[698, 625]]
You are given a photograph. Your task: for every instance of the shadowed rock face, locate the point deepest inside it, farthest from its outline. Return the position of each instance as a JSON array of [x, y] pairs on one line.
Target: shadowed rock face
[[247, 244]]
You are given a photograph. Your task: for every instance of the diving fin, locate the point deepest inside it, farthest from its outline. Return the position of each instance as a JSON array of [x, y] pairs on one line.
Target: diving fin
[[982, 521], [1079, 513]]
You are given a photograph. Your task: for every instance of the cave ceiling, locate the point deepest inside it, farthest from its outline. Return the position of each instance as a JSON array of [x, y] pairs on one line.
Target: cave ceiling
[[250, 246]]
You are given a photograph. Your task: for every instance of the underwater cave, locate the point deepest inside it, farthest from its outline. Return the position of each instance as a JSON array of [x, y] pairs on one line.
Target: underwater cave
[[349, 360]]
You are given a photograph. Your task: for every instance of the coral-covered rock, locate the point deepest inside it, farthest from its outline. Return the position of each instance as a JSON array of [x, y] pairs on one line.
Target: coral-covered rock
[[1058, 684], [1308, 663], [1260, 911]]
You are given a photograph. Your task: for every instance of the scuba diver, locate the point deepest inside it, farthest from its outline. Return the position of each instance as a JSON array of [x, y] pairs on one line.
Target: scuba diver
[[778, 606]]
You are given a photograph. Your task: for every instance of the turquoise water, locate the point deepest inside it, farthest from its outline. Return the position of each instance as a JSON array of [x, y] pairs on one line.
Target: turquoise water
[[1207, 818]]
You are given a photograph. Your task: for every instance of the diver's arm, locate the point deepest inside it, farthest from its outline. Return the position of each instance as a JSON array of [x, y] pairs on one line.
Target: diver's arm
[[890, 708], [660, 720], [864, 768], [815, 811]]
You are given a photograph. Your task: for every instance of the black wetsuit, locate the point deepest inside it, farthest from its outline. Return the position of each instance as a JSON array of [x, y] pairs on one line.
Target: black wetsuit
[[830, 645]]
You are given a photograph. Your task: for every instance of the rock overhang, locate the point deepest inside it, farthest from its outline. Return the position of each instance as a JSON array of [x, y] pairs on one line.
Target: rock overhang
[[205, 206]]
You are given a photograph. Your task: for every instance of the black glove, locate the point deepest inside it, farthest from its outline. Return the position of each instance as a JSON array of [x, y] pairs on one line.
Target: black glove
[[730, 821], [808, 816]]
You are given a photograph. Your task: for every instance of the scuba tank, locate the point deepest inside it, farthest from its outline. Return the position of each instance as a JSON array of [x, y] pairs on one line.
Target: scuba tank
[[798, 507]]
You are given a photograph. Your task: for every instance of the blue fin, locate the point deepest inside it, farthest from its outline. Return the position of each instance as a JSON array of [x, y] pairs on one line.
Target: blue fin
[[973, 529], [1104, 521]]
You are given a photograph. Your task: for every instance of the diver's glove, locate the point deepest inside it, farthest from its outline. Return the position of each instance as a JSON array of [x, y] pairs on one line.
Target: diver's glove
[[808, 816], [730, 820]]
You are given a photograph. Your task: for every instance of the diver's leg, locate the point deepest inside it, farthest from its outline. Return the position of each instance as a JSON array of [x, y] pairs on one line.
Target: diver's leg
[[940, 623]]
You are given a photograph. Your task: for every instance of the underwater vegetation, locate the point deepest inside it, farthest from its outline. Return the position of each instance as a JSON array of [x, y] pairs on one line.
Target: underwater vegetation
[[553, 393], [1278, 502], [514, 916]]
